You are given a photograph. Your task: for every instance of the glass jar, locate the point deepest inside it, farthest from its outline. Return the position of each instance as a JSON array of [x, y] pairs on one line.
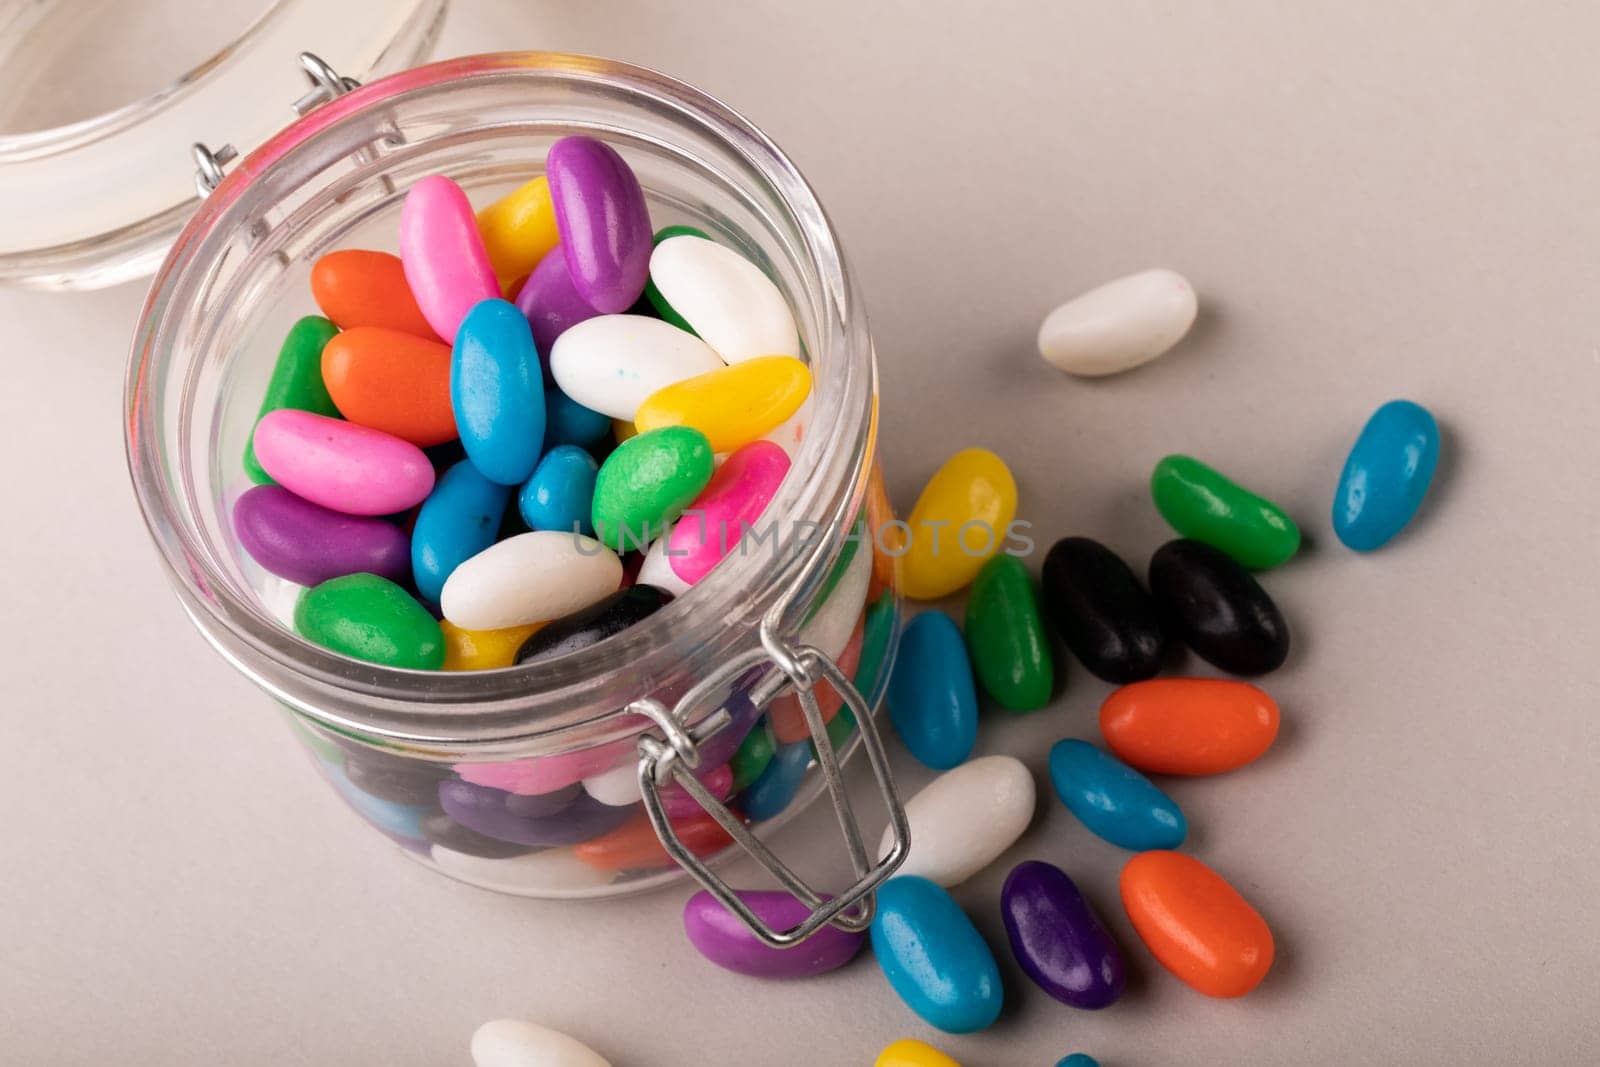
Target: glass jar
[[550, 779]]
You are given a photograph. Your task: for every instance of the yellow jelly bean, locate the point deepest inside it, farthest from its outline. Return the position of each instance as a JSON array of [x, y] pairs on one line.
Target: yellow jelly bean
[[622, 429], [482, 650], [518, 229], [909, 1052], [960, 521], [732, 405]]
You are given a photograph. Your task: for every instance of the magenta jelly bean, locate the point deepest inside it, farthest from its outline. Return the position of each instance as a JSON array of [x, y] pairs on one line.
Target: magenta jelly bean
[[551, 302], [603, 221], [340, 465], [730, 503], [444, 259], [722, 937], [308, 543], [545, 774], [678, 802]]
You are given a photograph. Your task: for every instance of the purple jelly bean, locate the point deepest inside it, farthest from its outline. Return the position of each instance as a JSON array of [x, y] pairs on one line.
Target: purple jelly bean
[[1058, 939], [564, 817], [309, 544], [603, 222], [551, 303], [743, 716], [722, 937]]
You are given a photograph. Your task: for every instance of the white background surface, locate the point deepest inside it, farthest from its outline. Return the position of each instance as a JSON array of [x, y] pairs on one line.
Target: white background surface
[[1373, 199]]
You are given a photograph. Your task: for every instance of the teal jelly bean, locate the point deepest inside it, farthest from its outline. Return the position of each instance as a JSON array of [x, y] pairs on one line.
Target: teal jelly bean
[[567, 422], [458, 520], [1386, 475], [560, 495], [497, 392], [1078, 1059], [934, 957], [933, 701], [1113, 800], [776, 786]]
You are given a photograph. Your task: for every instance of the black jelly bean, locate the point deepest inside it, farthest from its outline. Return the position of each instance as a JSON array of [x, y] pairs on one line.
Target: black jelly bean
[[1102, 612], [1218, 608], [394, 778], [594, 624], [440, 829]]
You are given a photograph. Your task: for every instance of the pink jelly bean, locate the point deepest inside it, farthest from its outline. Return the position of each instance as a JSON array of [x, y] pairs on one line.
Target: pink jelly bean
[[443, 256], [544, 774], [351, 469], [734, 499], [678, 802]]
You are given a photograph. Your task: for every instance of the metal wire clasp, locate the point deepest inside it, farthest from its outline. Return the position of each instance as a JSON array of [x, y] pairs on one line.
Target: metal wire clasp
[[673, 755]]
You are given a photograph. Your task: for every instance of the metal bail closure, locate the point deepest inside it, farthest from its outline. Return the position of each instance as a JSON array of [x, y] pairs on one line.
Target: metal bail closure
[[673, 756]]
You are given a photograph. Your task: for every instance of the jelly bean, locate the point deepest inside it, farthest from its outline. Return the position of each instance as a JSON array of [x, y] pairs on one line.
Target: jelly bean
[[876, 637], [443, 255], [731, 503], [964, 819], [482, 650], [567, 422], [589, 626], [652, 295], [1218, 608], [725, 298], [1202, 504], [612, 363], [497, 391], [551, 303], [1078, 1059], [732, 406], [1189, 725], [565, 817], [308, 543], [370, 618], [833, 614], [519, 229], [296, 382], [441, 830], [622, 430], [1058, 939], [397, 779], [1121, 325], [724, 939], [618, 786], [656, 569], [1386, 475], [544, 872], [1102, 612], [934, 957], [635, 846], [909, 1052], [1195, 924], [560, 495], [773, 791], [391, 381], [514, 1043], [957, 524], [1005, 635], [646, 483], [1113, 800], [358, 288], [603, 220], [788, 718], [532, 577], [402, 821], [457, 521], [932, 700], [546, 774], [340, 465], [755, 752]]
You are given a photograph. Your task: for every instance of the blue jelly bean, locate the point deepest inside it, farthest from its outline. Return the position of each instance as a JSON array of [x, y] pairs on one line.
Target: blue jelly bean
[[560, 495], [459, 519], [1386, 475], [773, 791], [497, 392], [397, 820], [1113, 800], [1078, 1059], [933, 701], [567, 422], [934, 957]]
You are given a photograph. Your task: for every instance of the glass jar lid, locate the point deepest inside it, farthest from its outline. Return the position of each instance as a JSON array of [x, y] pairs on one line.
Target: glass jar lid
[[97, 149]]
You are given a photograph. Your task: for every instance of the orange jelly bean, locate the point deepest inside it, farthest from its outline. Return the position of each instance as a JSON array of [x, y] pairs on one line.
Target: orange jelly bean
[[1189, 725], [1195, 924], [788, 718], [354, 288], [635, 846], [391, 381]]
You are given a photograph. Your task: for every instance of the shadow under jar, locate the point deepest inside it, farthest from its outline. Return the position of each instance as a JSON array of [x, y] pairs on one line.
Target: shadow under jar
[[518, 779]]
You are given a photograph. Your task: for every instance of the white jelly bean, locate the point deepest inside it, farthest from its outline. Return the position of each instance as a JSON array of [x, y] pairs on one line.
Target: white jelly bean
[[790, 434], [657, 569], [829, 629], [726, 298], [964, 819], [610, 363], [1119, 325], [531, 577], [515, 1043], [555, 872], [617, 787]]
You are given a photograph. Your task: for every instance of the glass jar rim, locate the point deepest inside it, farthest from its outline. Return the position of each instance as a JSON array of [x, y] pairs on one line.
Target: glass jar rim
[[495, 711]]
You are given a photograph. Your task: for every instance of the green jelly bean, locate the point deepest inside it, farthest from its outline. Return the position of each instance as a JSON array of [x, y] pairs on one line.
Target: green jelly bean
[[370, 618], [652, 294], [1005, 634], [755, 752], [296, 383], [646, 483], [876, 634], [1204, 505]]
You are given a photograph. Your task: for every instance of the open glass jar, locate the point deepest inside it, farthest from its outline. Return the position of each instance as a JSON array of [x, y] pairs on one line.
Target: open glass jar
[[566, 769]]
